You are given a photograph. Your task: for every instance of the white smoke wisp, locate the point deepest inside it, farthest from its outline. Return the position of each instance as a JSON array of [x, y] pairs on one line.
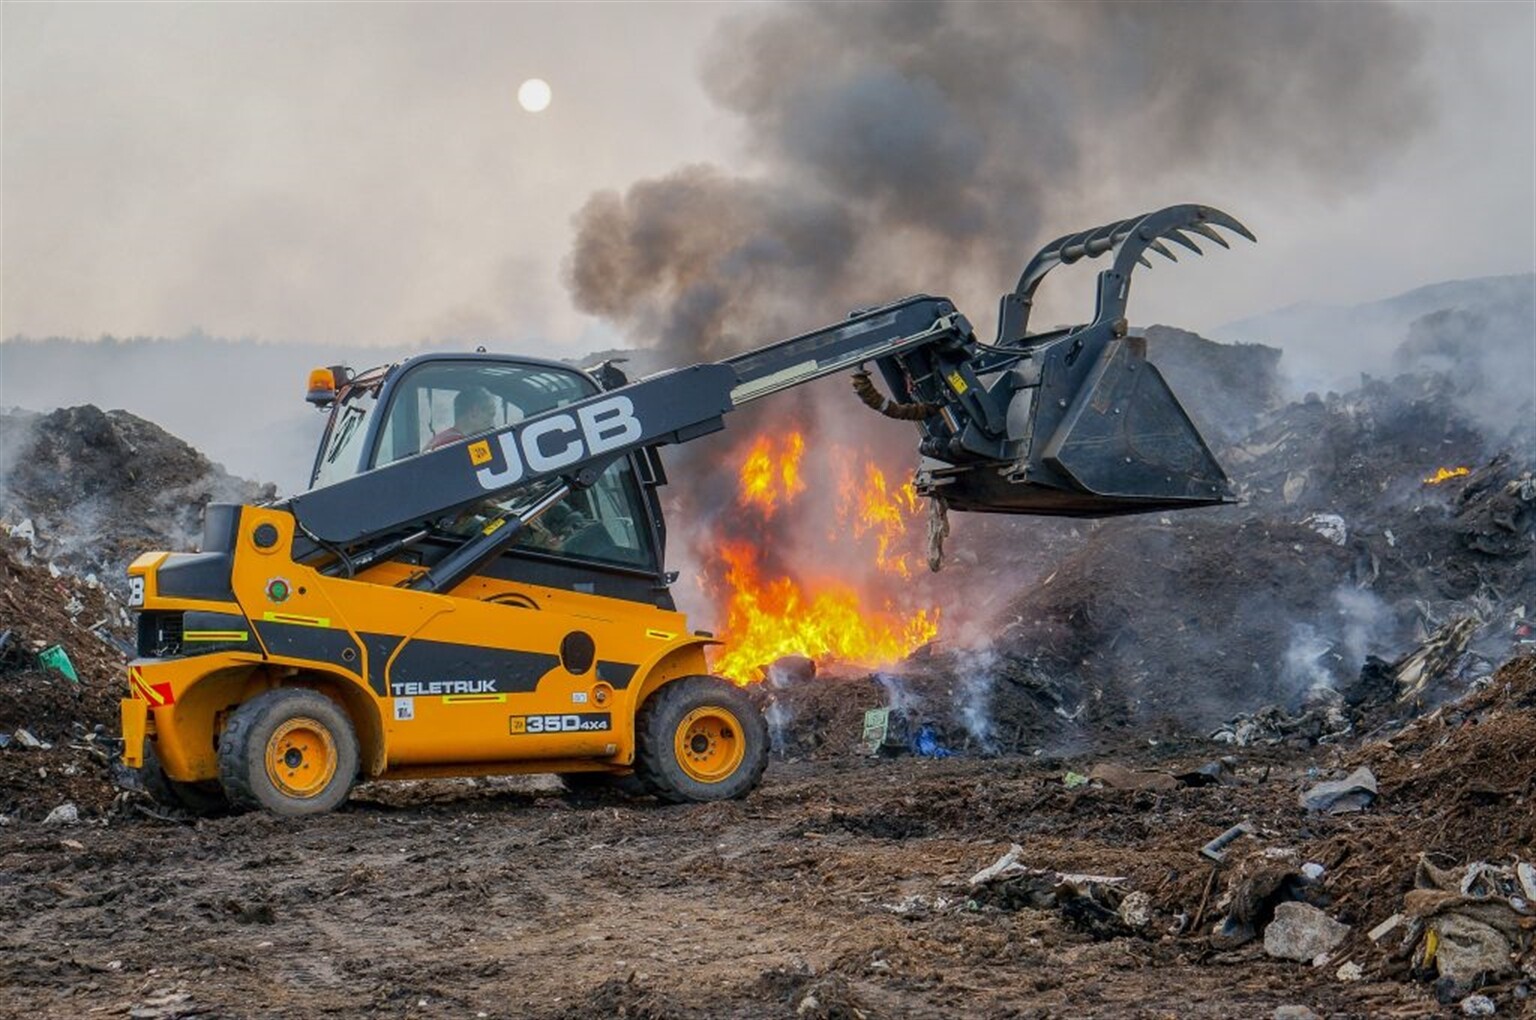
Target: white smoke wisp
[[1364, 616], [1304, 668], [898, 696], [973, 696], [779, 716]]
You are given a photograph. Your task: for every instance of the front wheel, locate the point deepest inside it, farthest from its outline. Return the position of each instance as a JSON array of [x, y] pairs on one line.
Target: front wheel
[[700, 739], [291, 751]]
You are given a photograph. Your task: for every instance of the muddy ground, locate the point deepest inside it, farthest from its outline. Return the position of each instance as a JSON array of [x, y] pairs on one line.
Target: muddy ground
[[839, 889]]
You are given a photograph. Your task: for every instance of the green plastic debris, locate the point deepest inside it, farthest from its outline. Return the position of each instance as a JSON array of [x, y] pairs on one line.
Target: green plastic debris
[[876, 725], [1072, 780], [56, 658]]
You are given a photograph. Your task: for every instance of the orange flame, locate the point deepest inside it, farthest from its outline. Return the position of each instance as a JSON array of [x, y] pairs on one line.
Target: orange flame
[[876, 508], [767, 477], [768, 618], [1441, 474]]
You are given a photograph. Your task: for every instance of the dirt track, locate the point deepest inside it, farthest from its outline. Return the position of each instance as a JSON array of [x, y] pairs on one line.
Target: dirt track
[[819, 896]]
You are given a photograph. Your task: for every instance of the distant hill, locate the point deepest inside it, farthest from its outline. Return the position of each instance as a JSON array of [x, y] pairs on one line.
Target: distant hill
[[240, 401], [1326, 346]]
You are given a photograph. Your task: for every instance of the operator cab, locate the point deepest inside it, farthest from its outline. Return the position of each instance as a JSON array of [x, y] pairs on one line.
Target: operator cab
[[606, 539]]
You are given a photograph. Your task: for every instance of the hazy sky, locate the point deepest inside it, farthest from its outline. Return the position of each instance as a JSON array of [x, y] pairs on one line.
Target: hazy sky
[[358, 173]]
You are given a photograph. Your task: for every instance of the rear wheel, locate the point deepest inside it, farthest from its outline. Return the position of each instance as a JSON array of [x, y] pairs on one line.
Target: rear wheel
[[700, 739], [204, 798], [290, 751]]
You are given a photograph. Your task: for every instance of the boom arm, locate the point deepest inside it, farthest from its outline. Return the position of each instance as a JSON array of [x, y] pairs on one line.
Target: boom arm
[[1067, 422]]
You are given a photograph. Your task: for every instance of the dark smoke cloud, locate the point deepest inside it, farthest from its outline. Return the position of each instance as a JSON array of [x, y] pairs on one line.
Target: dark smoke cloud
[[928, 146], [919, 145]]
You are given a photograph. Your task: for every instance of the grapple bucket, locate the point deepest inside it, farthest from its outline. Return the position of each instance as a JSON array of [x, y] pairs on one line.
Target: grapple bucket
[[1072, 422]]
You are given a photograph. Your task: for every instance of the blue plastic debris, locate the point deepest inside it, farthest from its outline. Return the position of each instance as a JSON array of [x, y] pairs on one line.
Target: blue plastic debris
[[925, 743]]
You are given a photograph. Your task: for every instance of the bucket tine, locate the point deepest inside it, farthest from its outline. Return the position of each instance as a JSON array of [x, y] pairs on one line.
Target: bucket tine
[[1127, 240], [1207, 232], [1177, 237], [1221, 219]]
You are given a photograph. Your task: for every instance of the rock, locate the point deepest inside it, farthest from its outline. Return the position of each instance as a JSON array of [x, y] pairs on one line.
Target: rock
[[1478, 1005], [1294, 1013], [1136, 910], [1350, 971], [1301, 932], [788, 669], [1312, 871], [64, 814], [26, 739], [1352, 793]]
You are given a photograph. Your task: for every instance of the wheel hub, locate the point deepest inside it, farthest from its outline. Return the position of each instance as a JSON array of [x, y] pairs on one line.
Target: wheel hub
[[708, 744], [301, 757]]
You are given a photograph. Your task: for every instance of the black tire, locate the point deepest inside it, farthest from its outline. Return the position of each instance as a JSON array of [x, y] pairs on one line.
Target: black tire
[[595, 787], [695, 704], [205, 799], [315, 773]]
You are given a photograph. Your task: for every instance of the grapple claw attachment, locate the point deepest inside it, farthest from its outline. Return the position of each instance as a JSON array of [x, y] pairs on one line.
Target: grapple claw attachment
[[1077, 422]]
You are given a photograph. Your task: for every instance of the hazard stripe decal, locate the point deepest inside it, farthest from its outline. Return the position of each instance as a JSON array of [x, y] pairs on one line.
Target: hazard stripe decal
[[158, 695]]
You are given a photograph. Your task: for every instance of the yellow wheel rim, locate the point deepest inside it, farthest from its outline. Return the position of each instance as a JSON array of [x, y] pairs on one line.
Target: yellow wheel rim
[[301, 757], [709, 744]]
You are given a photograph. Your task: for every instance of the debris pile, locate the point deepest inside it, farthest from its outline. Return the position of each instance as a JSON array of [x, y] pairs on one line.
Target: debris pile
[[58, 712], [88, 490]]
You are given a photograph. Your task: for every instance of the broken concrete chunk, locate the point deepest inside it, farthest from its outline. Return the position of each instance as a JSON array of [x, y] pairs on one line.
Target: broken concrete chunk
[[1478, 1005], [1352, 793], [1301, 932], [1136, 910], [64, 814], [1350, 971]]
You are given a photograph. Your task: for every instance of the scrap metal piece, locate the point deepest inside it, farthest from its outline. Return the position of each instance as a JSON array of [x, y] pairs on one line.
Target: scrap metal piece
[[1215, 850]]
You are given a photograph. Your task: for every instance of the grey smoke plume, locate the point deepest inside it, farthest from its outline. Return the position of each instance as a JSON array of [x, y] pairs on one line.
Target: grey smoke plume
[[918, 145]]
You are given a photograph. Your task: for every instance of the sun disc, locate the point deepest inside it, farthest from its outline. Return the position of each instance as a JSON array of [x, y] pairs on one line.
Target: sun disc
[[534, 95]]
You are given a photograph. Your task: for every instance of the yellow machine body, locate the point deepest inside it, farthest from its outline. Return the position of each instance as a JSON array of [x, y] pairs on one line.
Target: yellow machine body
[[570, 668]]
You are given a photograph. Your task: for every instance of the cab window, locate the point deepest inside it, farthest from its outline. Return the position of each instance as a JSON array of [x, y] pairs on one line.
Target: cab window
[[442, 403]]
